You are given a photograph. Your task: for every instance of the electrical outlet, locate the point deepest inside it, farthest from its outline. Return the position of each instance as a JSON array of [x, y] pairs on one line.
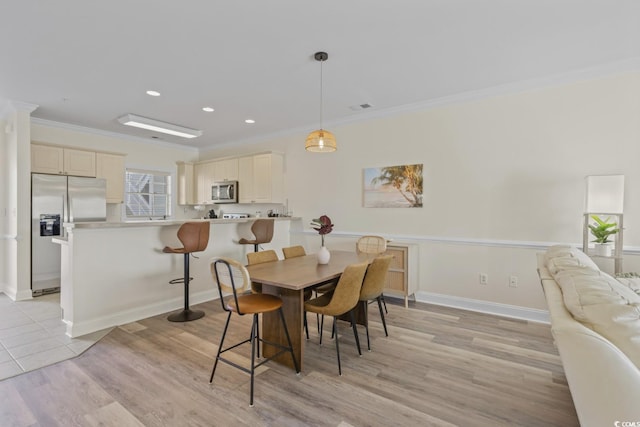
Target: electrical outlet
[[484, 278], [513, 281]]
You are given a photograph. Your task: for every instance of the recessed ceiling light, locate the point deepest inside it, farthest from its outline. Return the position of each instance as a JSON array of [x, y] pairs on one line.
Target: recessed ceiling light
[[208, 109], [250, 121], [153, 93]]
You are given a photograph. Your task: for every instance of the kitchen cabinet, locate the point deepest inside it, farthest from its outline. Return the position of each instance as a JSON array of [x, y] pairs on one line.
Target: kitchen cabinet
[[261, 178], [402, 277], [225, 170], [186, 183], [111, 168], [204, 177], [62, 161]]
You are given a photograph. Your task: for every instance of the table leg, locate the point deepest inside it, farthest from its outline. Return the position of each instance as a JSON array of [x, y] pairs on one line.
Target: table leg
[[292, 306]]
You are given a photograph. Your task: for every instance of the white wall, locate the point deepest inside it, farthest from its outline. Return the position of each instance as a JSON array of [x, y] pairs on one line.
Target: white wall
[[503, 178]]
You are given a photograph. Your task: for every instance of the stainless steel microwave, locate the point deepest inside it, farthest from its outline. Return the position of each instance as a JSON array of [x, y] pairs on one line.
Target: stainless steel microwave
[[224, 192]]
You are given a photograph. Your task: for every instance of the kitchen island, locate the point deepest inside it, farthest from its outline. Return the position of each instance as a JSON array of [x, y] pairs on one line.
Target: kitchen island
[[116, 273]]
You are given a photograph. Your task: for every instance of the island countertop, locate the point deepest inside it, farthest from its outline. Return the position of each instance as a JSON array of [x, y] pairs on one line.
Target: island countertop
[[153, 223]]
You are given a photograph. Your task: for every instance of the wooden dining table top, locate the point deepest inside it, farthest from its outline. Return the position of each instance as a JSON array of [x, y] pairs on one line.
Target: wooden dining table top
[[301, 272]]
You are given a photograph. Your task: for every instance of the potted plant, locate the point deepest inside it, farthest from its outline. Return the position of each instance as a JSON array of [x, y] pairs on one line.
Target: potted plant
[[601, 230], [323, 225]]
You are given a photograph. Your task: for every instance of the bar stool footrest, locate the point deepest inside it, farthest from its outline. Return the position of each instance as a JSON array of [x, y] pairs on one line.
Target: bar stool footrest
[[179, 280]]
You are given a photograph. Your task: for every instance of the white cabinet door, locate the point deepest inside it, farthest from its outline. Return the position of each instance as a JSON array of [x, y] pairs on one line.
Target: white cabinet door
[[186, 184], [79, 162], [261, 179], [62, 161], [204, 173], [226, 170], [111, 168], [47, 159], [245, 180]]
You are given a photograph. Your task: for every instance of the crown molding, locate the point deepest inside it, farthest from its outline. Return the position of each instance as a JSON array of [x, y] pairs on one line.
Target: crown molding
[[584, 74], [93, 131]]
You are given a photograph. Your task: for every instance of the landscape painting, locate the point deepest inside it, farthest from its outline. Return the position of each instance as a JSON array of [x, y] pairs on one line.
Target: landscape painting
[[393, 187]]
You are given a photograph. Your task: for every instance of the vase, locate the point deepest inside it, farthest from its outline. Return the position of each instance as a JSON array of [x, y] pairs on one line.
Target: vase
[[603, 249], [323, 255]]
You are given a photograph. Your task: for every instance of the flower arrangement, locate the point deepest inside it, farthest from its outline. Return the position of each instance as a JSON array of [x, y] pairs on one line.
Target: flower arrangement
[[322, 225]]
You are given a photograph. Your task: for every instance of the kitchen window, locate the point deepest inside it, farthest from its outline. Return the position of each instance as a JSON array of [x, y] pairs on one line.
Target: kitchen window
[[147, 194]]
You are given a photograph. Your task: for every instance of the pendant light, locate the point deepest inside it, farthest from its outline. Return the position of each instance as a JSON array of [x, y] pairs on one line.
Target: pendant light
[[321, 141]]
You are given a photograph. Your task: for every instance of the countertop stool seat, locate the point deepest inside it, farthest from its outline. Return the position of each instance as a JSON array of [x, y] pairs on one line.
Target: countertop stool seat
[[262, 230], [194, 237]]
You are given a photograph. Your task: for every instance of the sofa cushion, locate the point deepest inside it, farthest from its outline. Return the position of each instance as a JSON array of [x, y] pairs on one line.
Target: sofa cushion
[[604, 305], [564, 257]]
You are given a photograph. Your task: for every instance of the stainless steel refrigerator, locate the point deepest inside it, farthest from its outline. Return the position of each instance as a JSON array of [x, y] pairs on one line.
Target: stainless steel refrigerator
[[54, 201]]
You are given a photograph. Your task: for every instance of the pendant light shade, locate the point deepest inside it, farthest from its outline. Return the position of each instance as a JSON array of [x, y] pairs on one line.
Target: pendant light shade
[[321, 141]]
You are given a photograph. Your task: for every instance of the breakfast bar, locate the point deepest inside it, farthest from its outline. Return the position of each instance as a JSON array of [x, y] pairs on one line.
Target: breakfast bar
[[116, 273]]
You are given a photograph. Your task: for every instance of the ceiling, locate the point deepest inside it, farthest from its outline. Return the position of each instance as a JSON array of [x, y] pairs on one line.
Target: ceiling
[[87, 63]]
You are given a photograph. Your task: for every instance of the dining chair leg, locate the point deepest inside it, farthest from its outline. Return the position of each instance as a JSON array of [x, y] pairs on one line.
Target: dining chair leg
[[306, 325], [355, 332], [286, 333], [254, 332], [385, 303], [366, 324], [224, 333], [322, 328], [335, 333], [384, 323]]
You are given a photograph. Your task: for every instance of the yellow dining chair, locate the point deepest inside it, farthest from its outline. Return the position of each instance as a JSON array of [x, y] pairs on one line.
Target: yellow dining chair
[[373, 245], [342, 300], [293, 251], [372, 286], [258, 258], [233, 278]]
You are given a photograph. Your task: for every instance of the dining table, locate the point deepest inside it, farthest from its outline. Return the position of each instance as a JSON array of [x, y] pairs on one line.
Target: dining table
[[288, 280]]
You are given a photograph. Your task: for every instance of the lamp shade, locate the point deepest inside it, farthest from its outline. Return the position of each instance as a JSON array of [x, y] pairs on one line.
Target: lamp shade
[[605, 194], [321, 141]]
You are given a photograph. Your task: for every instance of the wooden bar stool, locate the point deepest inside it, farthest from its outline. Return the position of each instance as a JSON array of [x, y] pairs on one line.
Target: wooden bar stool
[[194, 237], [262, 230]]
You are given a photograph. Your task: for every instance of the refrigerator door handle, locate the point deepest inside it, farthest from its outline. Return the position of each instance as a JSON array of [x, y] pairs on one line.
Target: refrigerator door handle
[[66, 209]]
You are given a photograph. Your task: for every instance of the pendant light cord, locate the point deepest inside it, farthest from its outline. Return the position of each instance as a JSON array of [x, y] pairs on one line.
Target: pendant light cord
[[321, 90]]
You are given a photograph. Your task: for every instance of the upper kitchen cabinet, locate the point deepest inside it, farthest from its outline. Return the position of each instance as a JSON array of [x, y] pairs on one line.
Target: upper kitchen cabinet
[[111, 168], [261, 178], [204, 177], [225, 170], [186, 183], [62, 161]]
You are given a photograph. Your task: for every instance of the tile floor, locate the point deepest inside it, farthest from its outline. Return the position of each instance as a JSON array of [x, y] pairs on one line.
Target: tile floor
[[32, 335]]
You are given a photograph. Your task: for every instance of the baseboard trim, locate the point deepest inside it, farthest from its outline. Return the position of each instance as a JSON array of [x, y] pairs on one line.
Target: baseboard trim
[[487, 307], [77, 329]]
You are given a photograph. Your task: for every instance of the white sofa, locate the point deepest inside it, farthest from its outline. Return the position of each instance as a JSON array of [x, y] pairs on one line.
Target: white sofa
[[595, 321]]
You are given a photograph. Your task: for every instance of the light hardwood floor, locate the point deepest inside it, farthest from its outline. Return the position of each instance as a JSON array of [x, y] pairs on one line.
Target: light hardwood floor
[[439, 366]]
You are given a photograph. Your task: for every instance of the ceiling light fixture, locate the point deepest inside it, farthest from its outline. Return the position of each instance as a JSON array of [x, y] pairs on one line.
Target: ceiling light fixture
[[208, 109], [250, 121], [321, 141], [158, 126], [153, 93]]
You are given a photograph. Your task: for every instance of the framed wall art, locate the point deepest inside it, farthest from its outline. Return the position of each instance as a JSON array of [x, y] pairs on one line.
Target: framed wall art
[[393, 187]]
